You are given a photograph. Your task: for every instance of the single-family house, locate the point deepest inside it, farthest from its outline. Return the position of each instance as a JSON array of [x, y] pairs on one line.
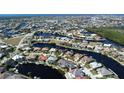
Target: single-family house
[[18, 58], [107, 45], [2, 69], [95, 65], [52, 50], [86, 59], [52, 59], [77, 56], [42, 57], [104, 71], [65, 63], [1, 54], [45, 49], [78, 73]]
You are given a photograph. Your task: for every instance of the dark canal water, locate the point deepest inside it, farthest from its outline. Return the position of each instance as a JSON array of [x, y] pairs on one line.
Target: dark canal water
[[104, 41], [50, 34], [108, 62], [41, 71]]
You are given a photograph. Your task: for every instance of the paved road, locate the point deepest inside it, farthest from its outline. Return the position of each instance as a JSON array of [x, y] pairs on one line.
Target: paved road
[[22, 40]]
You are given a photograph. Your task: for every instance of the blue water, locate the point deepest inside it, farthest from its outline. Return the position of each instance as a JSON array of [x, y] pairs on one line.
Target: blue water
[[50, 34], [43, 34], [41, 71]]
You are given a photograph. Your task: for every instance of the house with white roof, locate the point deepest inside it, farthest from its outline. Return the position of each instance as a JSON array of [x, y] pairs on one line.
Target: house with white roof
[[107, 45], [52, 59], [95, 65], [3, 46], [18, 58]]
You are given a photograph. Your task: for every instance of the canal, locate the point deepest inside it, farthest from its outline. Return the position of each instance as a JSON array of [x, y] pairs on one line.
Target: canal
[[45, 35], [107, 61], [43, 72]]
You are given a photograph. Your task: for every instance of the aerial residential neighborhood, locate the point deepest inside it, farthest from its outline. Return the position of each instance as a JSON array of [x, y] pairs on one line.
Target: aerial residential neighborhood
[[62, 47]]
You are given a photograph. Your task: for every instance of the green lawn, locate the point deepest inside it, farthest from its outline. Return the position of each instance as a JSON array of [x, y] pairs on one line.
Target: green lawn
[[94, 72], [87, 66]]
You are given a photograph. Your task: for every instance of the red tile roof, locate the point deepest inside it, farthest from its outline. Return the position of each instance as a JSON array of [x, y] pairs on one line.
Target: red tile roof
[[42, 57]]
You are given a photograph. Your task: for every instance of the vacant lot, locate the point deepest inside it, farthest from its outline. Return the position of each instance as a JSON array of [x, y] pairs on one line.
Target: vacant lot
[[14, 41]]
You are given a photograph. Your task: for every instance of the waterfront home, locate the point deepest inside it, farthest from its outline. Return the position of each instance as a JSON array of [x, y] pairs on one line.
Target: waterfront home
[[52, 50], [91, 47], [42, 57], [58, 38], [68, 55], [8, 75], [17, 76], [52, 59], [93, 43], [83, 45], [45, 49], [98, 38], [36, 37], [2, 69], [98, 49], [89, 38], [95, 65], [31, 57], [59, 53], [77, 56], [18, 58], [107, 45], [104, 72], [114, 54], [122, 49], [85, 42], [69, 75], [93, 35], [121, 58], [65, 63], [70, 33], [66, 43], [37, 49], [78, 73], [86, 59], [65, 39], [46, 40], [106, 49], [1, 54]]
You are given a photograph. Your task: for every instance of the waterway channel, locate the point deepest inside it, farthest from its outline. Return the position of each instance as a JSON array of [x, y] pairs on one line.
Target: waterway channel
[[107, 61]]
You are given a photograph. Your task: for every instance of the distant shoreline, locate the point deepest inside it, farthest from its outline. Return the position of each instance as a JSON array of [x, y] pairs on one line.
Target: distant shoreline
[[31, 15]]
